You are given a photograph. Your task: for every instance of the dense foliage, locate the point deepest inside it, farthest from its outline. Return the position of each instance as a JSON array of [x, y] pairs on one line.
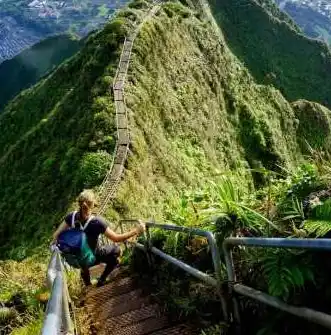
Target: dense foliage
[[29, 66], [196, 114], [273, 51], [294, 204], [56, 139]]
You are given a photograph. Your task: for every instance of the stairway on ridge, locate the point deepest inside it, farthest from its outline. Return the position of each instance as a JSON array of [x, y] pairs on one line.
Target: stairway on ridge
[[122, 307]]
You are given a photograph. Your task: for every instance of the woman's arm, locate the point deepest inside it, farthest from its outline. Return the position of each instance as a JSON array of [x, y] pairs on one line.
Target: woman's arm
[[122, 237], [63, 226]]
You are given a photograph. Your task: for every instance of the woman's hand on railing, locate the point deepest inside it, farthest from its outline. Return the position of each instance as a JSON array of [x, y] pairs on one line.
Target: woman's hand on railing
[[141, 227], [52, 245]]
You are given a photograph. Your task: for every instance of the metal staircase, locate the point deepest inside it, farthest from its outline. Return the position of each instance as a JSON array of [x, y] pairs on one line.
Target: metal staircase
[[122, 307]]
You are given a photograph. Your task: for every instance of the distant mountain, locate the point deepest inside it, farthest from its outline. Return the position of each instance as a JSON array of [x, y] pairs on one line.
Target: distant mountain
[[24, 23], [273, 50], [30, 65], [198, 109], [313, 16]]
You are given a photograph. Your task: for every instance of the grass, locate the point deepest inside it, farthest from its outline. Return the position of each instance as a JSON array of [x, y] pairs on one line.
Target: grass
[[33, 327], [195, 112], [274, 50], [196, 116], [27, 68], [62, 129], [21, 286]]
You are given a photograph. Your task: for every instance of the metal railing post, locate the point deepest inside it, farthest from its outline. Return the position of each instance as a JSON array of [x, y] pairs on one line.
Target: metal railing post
[[231, 280], [57, 313], [66, 319], [286, 243], [217, 266], [52, 322], [51, 270], [148, 245]]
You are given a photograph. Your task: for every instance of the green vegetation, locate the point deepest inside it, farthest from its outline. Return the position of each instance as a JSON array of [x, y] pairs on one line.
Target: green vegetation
[[20, 286], [23, 294], [196, 112], [30, 65], [293, 204], [196, 116], [273, 50], [59, 130]]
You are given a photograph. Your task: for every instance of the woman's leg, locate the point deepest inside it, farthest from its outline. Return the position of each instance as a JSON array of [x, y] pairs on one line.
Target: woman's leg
[[85, 274], [109, 255]]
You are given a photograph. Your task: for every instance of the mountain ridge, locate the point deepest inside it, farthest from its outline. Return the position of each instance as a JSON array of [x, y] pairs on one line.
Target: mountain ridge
[[32, 64], [275, 55], [174, 145], [196, 112]]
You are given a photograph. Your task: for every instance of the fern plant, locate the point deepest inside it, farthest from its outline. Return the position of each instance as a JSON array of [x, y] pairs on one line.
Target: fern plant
[[219, 329], [319, 222], [292, 218], [286, 270], [232, 211]]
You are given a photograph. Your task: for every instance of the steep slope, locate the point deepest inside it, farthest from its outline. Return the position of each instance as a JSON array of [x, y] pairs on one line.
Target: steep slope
[[314, 17], [30, 65], [52, 137], [273, 51], [25, 23], [195, 112]]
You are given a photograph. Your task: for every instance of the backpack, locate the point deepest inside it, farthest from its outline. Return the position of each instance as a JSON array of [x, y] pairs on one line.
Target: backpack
[[74, 246]]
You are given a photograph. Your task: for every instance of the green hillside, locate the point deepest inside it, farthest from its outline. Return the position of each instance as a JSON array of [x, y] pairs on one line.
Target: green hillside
[[198, 111], [273, 50], [194, 110], [30, 65]]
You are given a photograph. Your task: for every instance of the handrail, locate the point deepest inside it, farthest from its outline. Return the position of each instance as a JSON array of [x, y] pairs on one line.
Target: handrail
[[57, 317], [108, 188], [57, 313], [320, 318], [182, 265]]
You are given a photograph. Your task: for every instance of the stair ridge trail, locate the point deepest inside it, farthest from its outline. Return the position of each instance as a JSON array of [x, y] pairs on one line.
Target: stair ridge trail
[[109, 186], [121, 307]]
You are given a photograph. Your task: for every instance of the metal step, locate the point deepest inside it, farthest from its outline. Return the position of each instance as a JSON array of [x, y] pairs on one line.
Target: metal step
[[108, 291], [181, 329], [144, 327], [131, 318], [120, 305]]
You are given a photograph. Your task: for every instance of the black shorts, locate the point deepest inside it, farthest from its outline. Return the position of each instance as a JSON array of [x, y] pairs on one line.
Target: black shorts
[[107, 254]]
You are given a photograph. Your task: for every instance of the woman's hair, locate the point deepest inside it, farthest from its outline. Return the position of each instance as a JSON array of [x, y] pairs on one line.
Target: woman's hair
[[87, 199]]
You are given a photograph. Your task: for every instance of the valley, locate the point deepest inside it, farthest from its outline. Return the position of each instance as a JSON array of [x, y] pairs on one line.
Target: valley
[[227, 106], [26, 22], [313, 16]]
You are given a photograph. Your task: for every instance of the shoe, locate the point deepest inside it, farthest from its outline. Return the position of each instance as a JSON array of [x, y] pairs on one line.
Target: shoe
[[101, 283], [94, 282]]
